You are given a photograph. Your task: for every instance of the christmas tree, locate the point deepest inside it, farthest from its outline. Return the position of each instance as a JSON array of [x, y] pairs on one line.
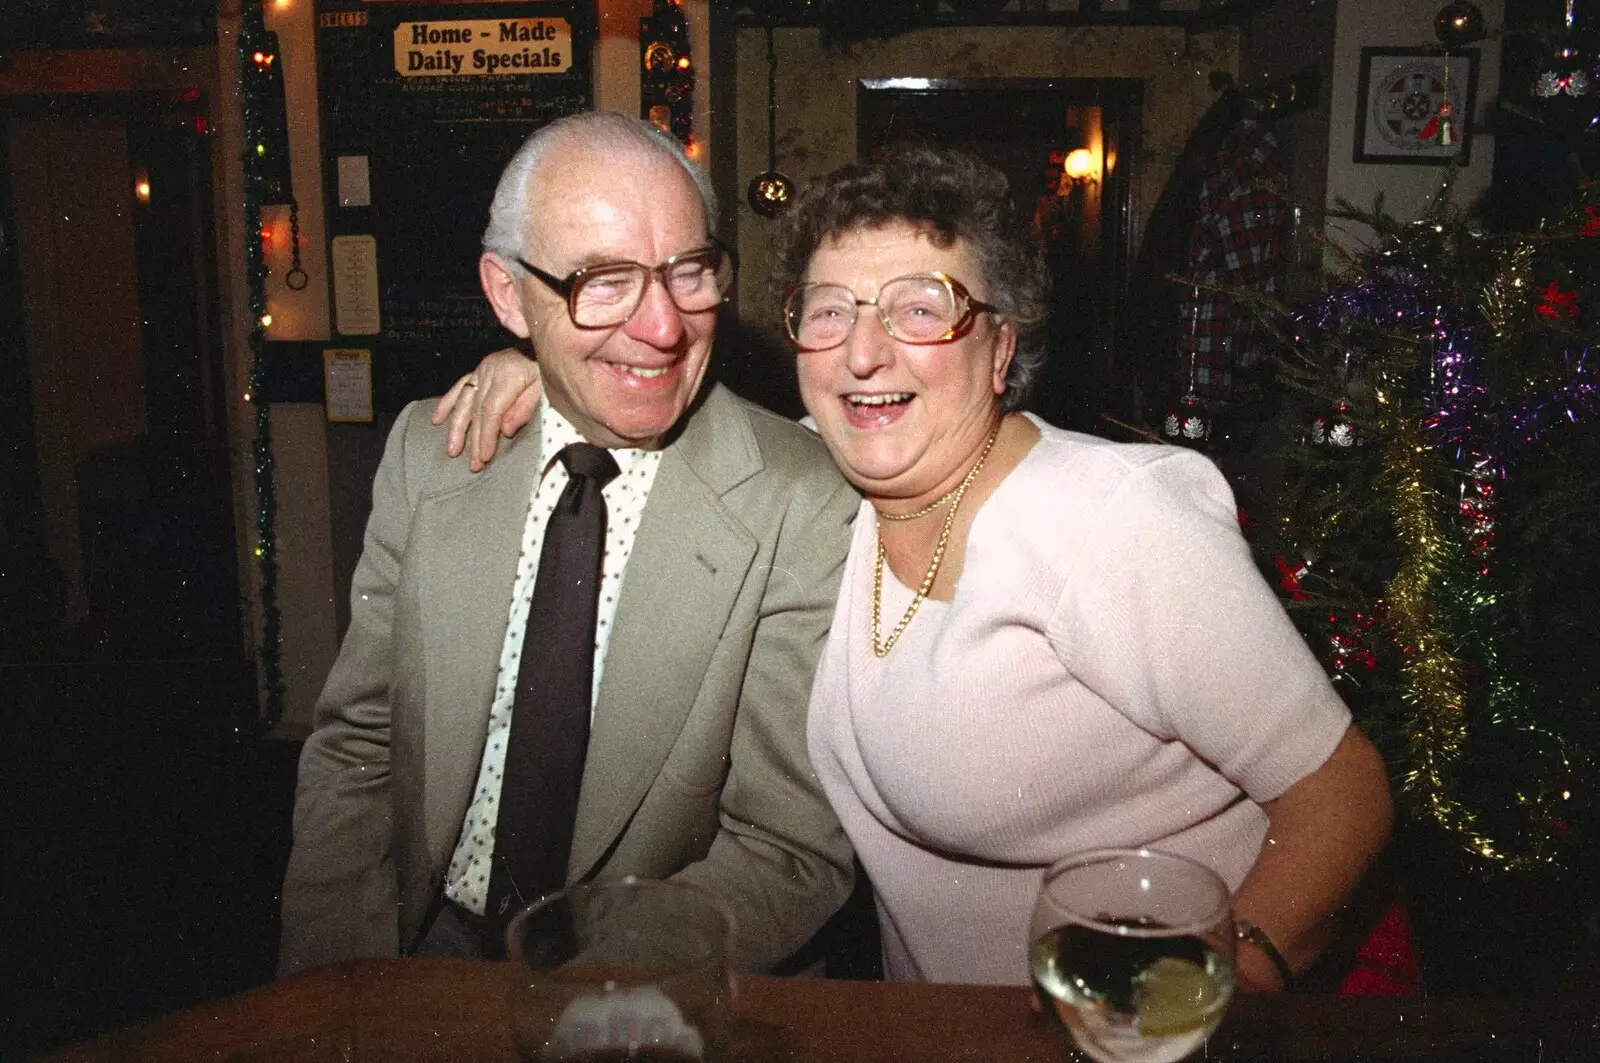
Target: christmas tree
[[1436, 527]]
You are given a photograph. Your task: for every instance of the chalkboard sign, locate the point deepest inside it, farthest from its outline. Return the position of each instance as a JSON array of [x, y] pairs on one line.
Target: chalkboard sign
[[422, 106]]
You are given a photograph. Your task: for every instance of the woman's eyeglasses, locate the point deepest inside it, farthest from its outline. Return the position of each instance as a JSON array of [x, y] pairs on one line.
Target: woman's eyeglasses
[[923, 309]]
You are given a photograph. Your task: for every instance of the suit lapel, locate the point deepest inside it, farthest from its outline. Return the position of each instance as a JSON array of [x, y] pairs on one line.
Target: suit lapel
[[471, 536], [688, 567]]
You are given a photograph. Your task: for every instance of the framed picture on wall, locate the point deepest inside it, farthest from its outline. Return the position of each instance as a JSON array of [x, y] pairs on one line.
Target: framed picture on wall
[[1405, 100]]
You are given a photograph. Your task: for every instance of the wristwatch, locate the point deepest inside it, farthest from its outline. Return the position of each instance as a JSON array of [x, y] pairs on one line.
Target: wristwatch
[[1247, 931]]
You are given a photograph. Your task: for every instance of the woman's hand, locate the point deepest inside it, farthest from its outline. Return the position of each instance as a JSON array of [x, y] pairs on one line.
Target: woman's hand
[[1323, 833], [496, 399]]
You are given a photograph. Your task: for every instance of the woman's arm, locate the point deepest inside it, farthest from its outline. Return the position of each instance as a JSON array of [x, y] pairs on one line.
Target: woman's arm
[[1179, 631], [1322, 835], [496, 399]]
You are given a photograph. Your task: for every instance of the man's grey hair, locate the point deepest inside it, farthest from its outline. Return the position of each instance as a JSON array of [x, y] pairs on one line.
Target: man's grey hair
[[606, 133]]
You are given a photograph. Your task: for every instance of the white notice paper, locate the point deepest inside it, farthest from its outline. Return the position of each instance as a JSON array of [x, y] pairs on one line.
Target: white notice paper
[[355, 187], [347, 383], [355, 285]]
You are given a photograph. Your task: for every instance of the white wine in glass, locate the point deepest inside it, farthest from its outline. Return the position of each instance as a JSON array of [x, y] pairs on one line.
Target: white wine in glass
[[1133, 951]]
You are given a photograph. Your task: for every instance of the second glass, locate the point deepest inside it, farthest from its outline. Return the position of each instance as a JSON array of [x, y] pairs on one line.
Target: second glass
[[627, 969], [1133, 951]]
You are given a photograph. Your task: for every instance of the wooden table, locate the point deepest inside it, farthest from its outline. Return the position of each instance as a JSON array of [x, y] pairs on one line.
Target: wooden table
[[444, 1010]]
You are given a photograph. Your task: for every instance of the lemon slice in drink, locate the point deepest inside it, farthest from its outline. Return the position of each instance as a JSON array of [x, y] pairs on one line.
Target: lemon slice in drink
[[1175, 997]]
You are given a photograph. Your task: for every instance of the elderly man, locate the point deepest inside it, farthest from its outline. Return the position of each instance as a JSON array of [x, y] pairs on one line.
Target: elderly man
[[593, 658]]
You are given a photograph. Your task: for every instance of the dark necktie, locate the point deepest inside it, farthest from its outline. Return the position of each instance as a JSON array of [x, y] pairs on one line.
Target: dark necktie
[[550, 715]]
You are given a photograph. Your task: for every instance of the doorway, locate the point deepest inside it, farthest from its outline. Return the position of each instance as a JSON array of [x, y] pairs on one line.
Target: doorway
[[129, 700], [1028, 128], [116, 516]]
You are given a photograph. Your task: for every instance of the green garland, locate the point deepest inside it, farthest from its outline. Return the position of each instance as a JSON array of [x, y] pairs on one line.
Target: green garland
[[253, 85]]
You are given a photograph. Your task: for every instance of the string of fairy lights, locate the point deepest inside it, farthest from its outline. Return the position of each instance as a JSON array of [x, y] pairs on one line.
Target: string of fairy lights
[[257, 54], [667, 84]]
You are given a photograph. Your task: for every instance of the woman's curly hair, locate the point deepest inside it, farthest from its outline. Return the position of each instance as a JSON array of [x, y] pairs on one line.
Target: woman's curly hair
[[951, 196]]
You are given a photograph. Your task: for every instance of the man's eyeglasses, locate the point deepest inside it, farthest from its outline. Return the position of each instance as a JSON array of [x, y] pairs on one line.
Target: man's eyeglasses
[[922, 309], [606, 295]]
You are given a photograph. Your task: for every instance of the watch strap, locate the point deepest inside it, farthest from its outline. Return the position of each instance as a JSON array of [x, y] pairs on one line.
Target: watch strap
[[1247, 931]]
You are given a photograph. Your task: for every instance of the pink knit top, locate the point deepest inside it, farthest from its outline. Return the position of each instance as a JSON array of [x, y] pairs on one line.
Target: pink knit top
[[1113, 671]]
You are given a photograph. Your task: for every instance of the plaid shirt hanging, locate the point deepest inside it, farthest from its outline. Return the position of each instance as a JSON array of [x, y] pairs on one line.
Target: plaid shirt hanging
[[1237, 242]]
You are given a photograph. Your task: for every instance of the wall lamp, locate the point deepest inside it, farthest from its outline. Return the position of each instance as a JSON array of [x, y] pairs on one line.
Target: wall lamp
[[1080, 166]]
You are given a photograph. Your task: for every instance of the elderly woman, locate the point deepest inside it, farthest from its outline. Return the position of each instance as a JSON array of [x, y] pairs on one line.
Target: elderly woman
[[1045, 642]]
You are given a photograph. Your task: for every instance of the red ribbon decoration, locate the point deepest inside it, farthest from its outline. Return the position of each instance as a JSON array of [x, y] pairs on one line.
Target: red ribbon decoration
[[1291, 578], [1591, 225], [1557, 302]]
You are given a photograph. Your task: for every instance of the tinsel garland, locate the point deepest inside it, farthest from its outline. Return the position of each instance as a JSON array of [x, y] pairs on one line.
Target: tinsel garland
[[1432, 668], [252, 84], [1441, 425], [1507, 300], [1419, 599]]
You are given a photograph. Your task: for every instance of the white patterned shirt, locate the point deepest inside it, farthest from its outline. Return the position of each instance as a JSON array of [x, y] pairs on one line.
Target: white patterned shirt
[[467, 880]]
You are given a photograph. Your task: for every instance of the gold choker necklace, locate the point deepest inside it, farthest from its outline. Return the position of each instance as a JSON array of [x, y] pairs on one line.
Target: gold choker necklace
[[925, 510], [882, 647]]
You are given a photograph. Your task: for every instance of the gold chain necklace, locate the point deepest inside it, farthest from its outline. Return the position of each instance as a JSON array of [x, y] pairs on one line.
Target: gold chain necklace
[[881, 647], [925, 510]]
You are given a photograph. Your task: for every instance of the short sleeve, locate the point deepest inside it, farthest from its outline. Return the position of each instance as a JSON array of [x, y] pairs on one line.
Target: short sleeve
[[1168, 620]]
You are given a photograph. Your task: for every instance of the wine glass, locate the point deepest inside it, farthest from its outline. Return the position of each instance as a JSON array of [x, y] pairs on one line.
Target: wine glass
[[1133, 951], [625, 969]]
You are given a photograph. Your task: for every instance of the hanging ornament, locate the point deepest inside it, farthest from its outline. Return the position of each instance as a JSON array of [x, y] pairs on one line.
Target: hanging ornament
[[1187, 423], [1317, 434], [1563, 73], [1570, 68], [1459, 23], [1447, 129], [1337, 431], [771, 192]]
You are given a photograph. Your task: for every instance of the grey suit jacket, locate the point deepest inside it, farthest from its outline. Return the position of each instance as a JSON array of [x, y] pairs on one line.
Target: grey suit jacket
[[697, 763]]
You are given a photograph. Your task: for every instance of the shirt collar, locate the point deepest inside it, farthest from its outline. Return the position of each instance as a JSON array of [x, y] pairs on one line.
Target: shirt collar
[[556, 432]]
